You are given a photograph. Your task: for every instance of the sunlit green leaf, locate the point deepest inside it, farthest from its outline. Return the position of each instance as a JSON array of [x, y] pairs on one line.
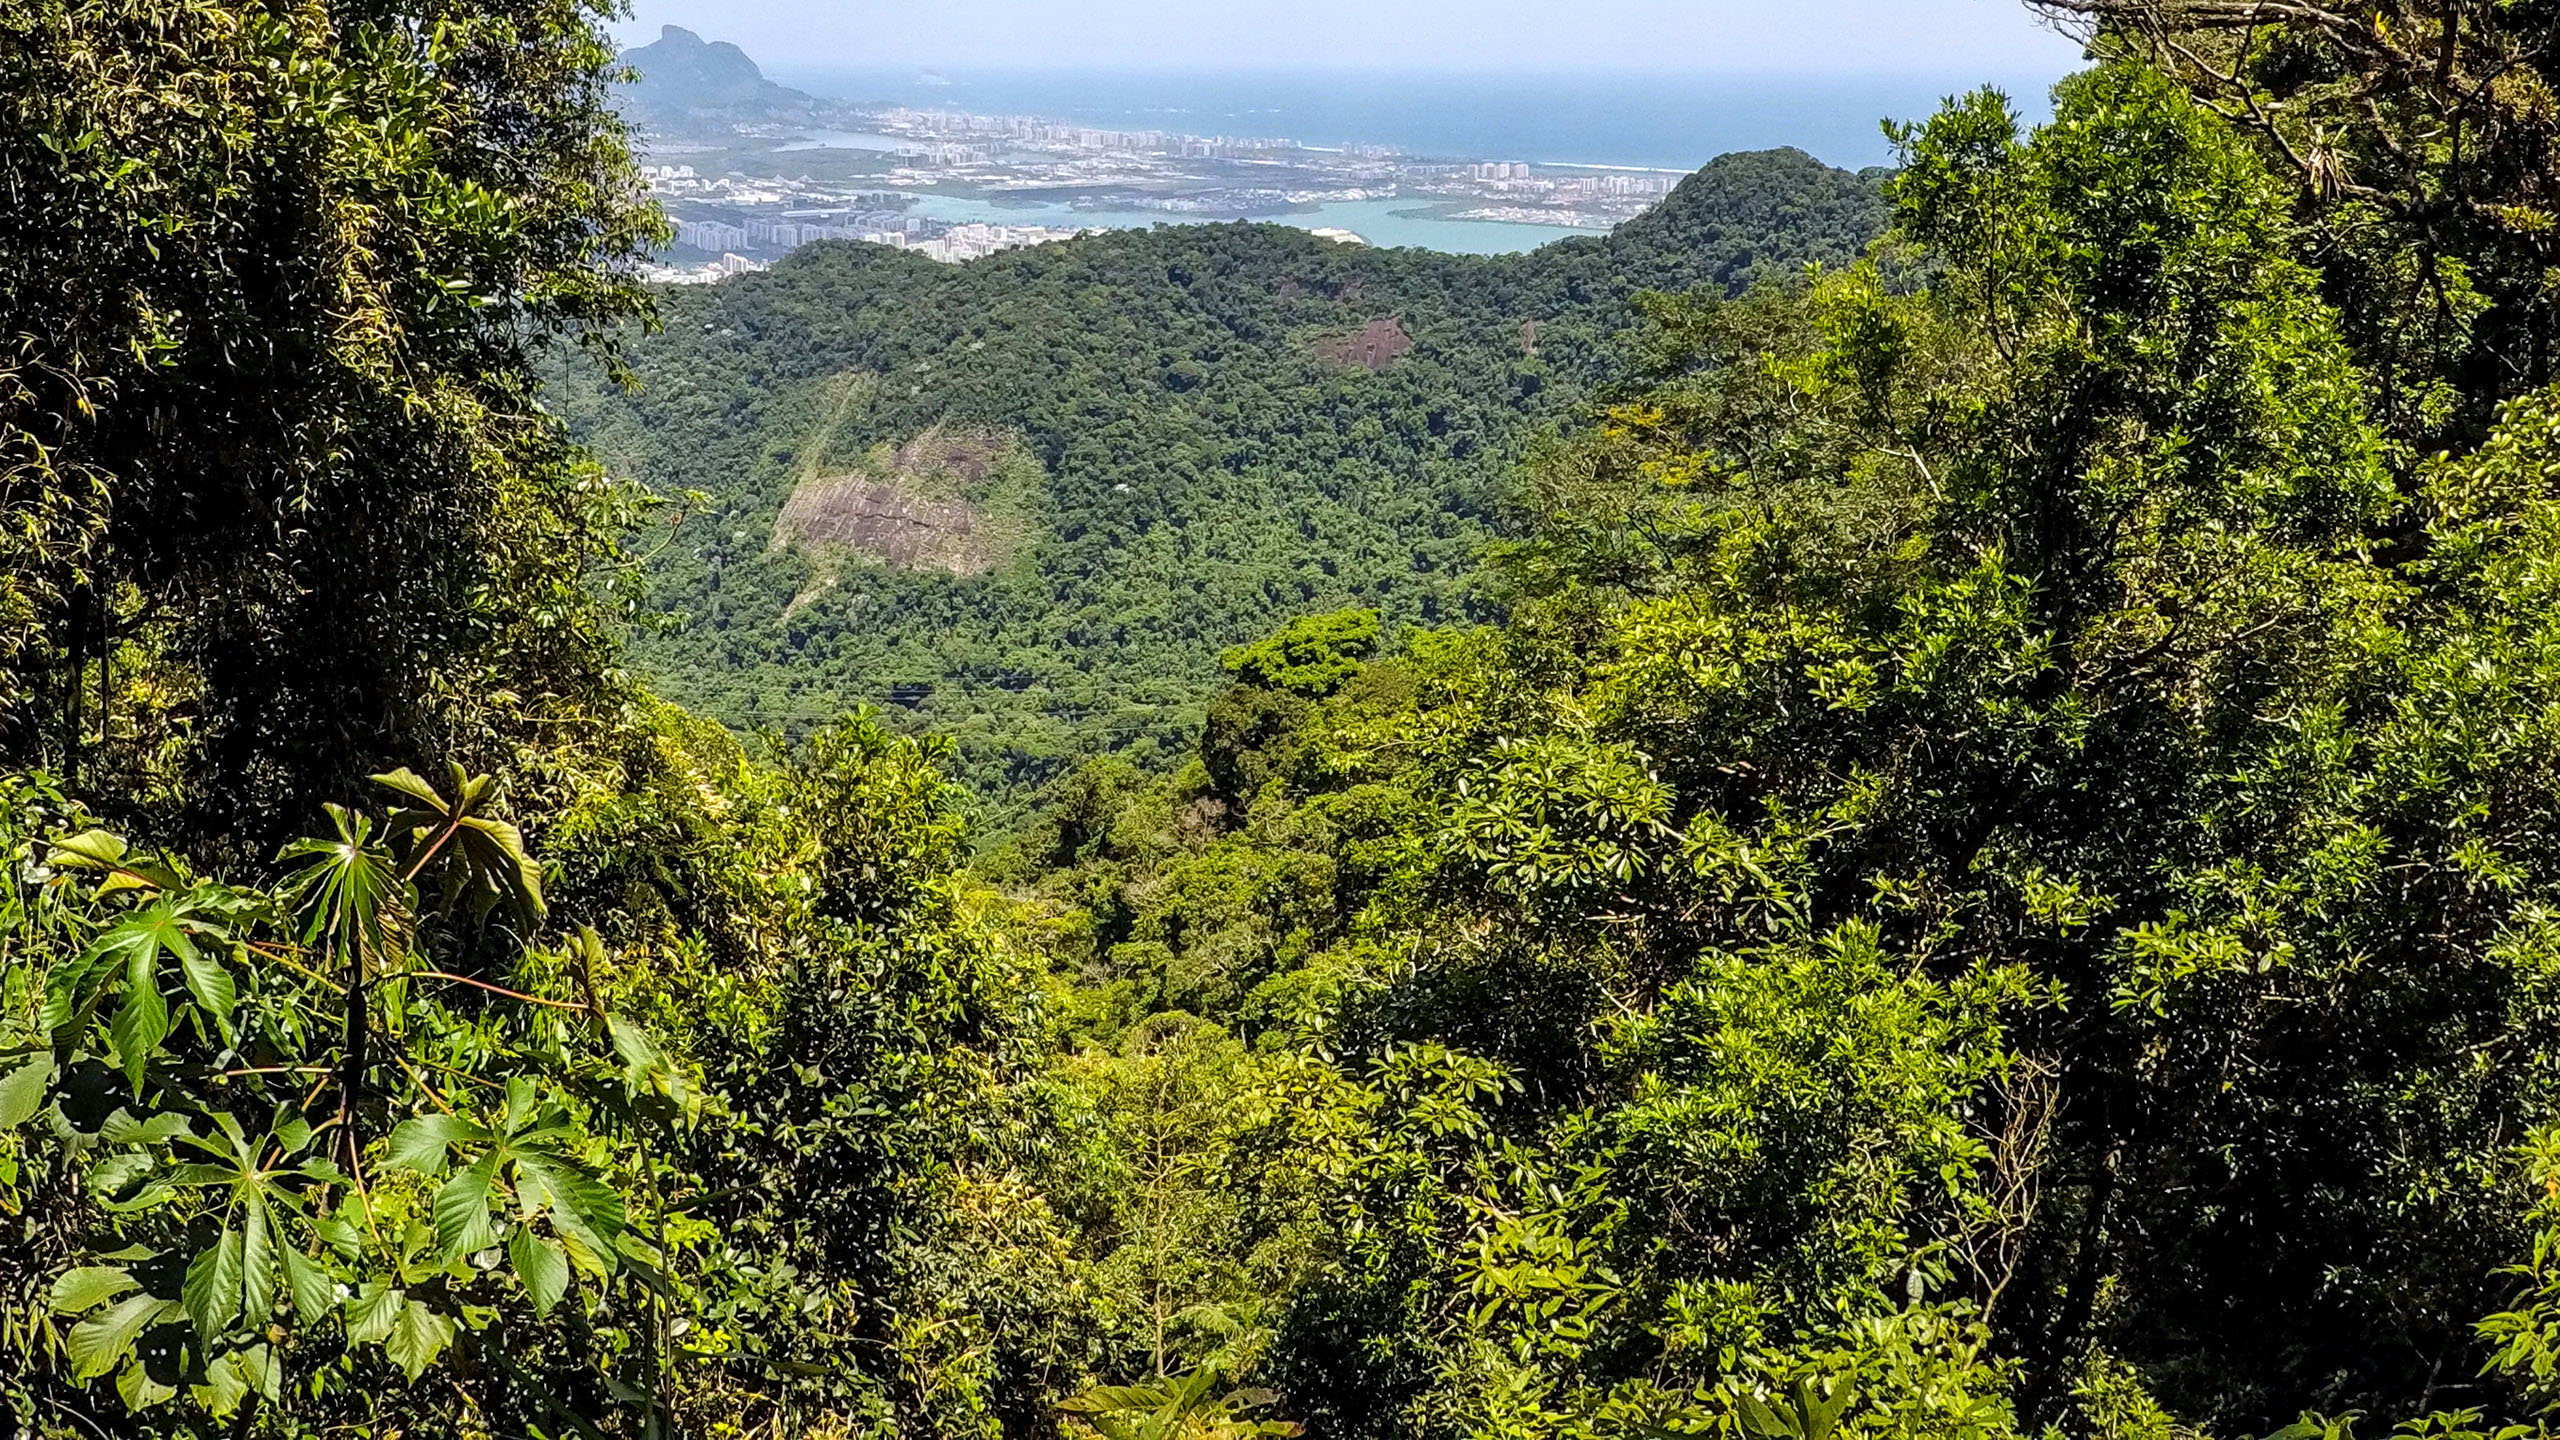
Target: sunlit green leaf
[[541, 1266], [257, 1260], [461, 1210], [307, 1283], [225, 1387], [138, 1390], [421, 1143], [209, 982], [87, 1287], [23, 1089], [417, 1339], [101, 1342], [140, 1024], [212, 1289], [372, 1312]]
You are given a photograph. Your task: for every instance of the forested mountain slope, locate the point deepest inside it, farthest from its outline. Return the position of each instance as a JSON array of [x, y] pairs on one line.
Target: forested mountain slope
[[1031, 498], [1994, 877]]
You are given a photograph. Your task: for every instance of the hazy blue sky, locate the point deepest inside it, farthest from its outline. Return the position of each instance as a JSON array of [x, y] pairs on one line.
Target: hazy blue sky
[[1801, 37]]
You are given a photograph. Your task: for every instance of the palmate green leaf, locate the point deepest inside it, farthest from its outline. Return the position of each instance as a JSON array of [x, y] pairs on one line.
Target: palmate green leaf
[[86, 1287], [101, 1342], [168, 927], [163, 927], [139, 941], [417, 1338], [540, 1266], [508, 875], [485, 861], [349, 892]]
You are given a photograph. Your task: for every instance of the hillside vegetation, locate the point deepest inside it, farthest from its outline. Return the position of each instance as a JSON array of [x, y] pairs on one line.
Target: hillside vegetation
[[1230, 425], [1986, 869]]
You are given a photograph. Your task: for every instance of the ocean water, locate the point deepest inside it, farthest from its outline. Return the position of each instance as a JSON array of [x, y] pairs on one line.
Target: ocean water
[[1374, 221], [1645, 121]]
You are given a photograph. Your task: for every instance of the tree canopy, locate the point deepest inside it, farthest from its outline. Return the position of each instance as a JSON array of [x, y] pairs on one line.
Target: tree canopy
[[1968, 849]]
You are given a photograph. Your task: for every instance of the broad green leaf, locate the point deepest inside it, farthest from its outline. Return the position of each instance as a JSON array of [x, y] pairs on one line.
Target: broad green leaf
[[1765, 1422], [408, 782], [586, 1211], [116, 1174], [101, 1342], [232, 1377], [420, 1336], [141, 1023], [224, 1387], [420, 1144], [495, 852], [257, 1262], [209, 981], [340, 1234], [212, 1289], [155, 1129], [461, 1210], [138, 1390], [638, 1049], [541, 1266], [88, 850], [264, 1368], [309, 1285], [372, 1312], [1105, 1399], [65, 986], [23, 1089], [484, 857], [86, 1288], [162, 928]]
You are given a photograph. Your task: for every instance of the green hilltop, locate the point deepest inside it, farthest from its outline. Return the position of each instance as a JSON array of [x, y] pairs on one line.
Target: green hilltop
[[1053, 484]]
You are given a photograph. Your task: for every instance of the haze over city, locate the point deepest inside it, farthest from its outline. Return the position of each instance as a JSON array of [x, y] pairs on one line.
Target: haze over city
[[1828, 37]]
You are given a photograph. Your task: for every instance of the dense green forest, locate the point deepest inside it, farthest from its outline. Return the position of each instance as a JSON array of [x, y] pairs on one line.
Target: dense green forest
[[1974, 855], [1159, 444]]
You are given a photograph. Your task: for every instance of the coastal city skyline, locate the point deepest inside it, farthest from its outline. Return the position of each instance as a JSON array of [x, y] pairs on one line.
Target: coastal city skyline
[[957, 166], [953, 185]]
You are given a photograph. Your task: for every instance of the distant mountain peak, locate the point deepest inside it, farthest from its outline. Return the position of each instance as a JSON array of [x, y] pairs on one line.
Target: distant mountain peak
[[683, 74]]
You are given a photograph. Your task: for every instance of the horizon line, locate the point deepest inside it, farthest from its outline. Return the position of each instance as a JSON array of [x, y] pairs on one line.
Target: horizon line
[[1933, 74]]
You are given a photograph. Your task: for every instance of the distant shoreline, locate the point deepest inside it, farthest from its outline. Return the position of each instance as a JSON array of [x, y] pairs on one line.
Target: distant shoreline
[[1658, 126]]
